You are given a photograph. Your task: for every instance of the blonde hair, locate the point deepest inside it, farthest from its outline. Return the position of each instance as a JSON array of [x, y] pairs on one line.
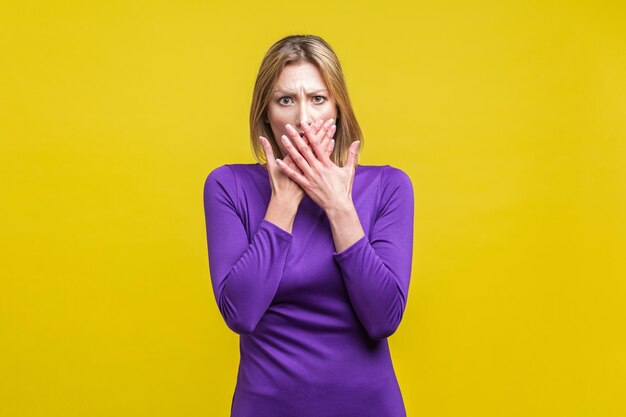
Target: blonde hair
[[290, 50]]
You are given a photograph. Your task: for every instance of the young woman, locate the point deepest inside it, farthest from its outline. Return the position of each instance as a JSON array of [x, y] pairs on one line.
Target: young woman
[[309, 252]]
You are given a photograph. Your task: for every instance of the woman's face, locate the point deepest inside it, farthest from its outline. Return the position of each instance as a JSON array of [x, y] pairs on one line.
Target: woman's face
[[300, 94]]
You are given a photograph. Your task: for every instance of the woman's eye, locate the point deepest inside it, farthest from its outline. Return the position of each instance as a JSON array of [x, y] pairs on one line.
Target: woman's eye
[[283, 98], [319, 97]]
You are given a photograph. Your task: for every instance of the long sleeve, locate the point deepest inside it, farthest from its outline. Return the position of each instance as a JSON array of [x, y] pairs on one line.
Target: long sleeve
[[244, 275], [377, 272]]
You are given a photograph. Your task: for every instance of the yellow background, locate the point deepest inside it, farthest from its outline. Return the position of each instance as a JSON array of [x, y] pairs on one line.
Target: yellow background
[[510, 118]]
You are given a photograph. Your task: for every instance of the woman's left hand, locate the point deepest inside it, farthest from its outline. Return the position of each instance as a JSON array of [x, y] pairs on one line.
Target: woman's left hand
[[329, 185]]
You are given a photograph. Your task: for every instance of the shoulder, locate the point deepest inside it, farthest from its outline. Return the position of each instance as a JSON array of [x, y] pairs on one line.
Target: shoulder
[[395, 185], [221, 175], [231, 172], [393, 176], [229, 177], [387, 175]]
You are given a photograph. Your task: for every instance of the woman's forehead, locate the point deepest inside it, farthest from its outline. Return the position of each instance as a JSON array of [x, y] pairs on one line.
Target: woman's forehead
[[299, 75]]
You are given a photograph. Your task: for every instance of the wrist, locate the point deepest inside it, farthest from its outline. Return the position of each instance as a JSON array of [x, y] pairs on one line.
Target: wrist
[[341, 211], [345, 225], [288, 203], [282, 213]]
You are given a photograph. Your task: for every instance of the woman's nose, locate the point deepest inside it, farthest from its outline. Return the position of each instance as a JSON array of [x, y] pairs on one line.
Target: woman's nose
[[303, 114]]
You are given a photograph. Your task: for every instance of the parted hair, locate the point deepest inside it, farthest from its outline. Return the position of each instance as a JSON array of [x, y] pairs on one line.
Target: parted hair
[[291, 50]]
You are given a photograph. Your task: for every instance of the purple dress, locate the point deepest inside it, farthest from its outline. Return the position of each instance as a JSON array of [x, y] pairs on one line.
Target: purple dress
[[313, 323]]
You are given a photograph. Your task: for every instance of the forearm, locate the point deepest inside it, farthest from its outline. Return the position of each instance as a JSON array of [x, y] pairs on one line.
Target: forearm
[[245, 274], [377, 272], [345, 225], [282, 213], [377, 294], [247, 290]]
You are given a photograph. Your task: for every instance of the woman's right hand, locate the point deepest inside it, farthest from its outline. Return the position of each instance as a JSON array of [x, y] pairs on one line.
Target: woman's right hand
[[283, 187]]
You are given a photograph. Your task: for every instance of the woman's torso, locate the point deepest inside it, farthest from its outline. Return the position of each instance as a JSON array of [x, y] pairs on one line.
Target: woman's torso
[[309, 349]]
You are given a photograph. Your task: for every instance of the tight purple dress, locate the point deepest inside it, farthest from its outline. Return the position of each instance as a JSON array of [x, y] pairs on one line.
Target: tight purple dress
[[313, 323]]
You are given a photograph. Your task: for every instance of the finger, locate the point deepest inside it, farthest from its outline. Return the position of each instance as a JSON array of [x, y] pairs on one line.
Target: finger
[[330, 147], [328, 137], [310, 130], [289, 161], [269, 153], [297, 177], [313, 151], [310, 151], [318, 136], [318, 123], [317, 144], [331, 132], [352, 154], [298, 153], [325, 128], [314, 130]]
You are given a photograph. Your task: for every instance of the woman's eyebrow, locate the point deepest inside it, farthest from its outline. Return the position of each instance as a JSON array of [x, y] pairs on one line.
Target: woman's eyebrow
[[293, 92]]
